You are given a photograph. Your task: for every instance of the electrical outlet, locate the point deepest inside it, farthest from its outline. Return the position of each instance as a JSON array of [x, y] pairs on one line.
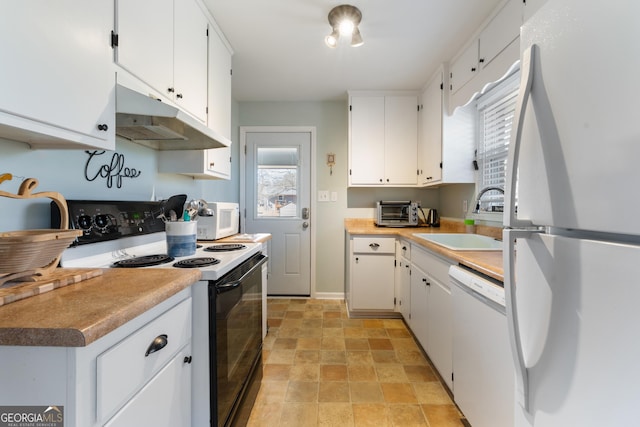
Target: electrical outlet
[[323, 196], [465, 207], [334, 196]]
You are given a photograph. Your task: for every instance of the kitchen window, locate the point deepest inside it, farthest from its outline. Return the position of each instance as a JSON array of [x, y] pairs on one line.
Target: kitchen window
[[496, 111]]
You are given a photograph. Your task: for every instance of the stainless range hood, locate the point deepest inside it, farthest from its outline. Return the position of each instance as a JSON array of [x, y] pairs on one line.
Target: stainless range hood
[[155, 124]]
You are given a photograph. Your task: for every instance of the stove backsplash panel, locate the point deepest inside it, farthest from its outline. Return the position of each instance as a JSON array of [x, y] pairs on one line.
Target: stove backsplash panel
[[102, 220]]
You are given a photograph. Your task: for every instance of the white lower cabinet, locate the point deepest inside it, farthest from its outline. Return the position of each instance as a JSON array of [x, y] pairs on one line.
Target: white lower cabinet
[[116, 380], [419, 321], [403, 278], [169, 393], [431, 310], [372, 270]]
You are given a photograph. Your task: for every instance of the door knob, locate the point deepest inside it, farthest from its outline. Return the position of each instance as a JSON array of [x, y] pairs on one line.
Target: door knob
[[305, 225]]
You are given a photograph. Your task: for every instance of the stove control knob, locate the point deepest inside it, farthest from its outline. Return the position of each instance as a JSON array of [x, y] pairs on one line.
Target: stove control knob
[[102, 220], [84, 221]]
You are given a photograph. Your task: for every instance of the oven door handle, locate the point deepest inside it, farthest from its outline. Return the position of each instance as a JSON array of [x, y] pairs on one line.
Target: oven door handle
[[220, 289]]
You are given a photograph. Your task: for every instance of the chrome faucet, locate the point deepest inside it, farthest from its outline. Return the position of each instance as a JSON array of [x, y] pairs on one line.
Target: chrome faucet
[[482, 192]]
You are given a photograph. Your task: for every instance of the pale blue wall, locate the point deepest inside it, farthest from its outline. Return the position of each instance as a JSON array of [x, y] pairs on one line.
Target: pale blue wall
[[64, 171]]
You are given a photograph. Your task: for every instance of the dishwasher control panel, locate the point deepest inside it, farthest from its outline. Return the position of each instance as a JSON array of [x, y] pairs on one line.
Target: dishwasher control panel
[[478, 284]]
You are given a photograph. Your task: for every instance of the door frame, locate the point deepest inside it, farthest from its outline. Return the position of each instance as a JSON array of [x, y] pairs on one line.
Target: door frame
[[243, 169]]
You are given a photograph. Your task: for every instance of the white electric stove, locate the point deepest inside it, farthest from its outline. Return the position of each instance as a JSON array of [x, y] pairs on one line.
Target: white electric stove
[[228, 303], [131, 234]]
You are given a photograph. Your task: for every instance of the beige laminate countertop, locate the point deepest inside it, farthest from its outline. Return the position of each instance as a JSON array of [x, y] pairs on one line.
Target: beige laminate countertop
[[79, 314], [485, 262]]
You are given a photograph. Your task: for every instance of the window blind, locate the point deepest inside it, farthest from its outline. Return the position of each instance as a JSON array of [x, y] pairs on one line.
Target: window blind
[[496, 111]]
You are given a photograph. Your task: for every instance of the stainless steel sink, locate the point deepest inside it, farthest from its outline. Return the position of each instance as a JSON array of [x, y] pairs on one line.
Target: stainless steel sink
[[462, 242]]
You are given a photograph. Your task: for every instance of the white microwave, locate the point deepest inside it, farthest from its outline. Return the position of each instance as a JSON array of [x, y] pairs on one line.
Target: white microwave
[[223, 222]]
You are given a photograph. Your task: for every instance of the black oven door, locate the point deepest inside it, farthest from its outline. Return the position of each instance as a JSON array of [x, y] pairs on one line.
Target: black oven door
[[235, 344]]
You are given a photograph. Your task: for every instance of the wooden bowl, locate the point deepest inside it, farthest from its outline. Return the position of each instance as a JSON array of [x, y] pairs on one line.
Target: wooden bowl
[[32, 252]]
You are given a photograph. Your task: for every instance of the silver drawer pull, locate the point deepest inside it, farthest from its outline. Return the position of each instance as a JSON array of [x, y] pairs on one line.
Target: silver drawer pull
[[158, 344], [374, 246]]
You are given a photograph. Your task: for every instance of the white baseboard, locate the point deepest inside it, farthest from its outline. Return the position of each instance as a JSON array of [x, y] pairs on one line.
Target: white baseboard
[[329, 295]]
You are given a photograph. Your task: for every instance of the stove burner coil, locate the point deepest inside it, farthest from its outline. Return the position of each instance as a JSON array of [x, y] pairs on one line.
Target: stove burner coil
[[225, 247], [143, 261], [196, 262]]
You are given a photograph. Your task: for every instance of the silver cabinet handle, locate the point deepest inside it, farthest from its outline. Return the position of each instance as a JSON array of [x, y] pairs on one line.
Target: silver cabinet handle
[[157, 344], [374, 246]]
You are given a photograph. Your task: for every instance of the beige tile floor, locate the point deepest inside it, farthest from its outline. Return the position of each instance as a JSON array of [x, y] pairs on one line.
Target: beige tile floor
[[323, 369]]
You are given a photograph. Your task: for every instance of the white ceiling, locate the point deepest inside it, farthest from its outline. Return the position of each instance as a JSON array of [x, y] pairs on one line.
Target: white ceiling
[[280, 54]]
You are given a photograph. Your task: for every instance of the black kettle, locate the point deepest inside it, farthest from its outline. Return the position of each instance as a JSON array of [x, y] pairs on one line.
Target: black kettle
[[433, 219]]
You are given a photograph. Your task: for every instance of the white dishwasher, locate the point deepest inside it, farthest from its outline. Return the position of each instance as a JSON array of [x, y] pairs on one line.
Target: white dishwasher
[[483, 384]]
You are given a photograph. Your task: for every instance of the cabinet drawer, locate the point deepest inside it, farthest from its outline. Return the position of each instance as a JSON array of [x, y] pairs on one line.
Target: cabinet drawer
[[124, 369], [432, 264], [374, 245]]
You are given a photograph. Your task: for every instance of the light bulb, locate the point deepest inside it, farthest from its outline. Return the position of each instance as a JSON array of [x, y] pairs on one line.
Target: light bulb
[[356, 39], [332, 39], [346, 27]]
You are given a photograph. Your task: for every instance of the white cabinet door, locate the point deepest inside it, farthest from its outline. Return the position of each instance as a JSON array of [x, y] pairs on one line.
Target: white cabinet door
[[440, 332], [56, 80], [219, 115], [464, 68], [214, 163], [401, 139], [404, 297], [372, 282], [530, 8], [165, 401], [366, 140], [430, 145], [419, 306], [383, 139], [190, 58], [501, 31], [403, 278], [164, 44], [145, 41]]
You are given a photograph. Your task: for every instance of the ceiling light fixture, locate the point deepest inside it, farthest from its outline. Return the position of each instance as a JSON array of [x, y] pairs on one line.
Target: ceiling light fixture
[[344, 21]]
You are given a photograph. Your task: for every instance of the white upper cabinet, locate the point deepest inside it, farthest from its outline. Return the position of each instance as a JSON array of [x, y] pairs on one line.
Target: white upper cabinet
[[446, 146], [214, 163], [430, 144], [489, 55], [57, 82], [190, 58], [530, 7], [501, 31], [465, 67], [164, 44], [219, 117], [401, 139], [383, 136]]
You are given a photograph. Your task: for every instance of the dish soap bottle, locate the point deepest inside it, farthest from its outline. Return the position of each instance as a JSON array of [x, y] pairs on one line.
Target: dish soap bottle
[[469, 226]]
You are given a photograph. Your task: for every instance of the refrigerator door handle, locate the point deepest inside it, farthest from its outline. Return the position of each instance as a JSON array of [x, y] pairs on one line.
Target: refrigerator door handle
[[526, 80], [509, 237]]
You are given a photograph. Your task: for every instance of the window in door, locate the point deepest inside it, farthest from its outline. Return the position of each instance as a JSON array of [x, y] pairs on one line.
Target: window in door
[[496, 111], [277, 182]]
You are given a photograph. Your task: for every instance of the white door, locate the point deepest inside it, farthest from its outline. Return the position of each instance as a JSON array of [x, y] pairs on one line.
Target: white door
[[277, 200]]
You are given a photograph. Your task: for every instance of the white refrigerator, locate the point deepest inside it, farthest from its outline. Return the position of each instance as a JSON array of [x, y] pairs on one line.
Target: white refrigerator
[[572, 234]]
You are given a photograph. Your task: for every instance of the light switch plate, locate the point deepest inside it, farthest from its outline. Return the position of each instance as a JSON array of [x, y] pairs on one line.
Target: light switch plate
[[334, 196]]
